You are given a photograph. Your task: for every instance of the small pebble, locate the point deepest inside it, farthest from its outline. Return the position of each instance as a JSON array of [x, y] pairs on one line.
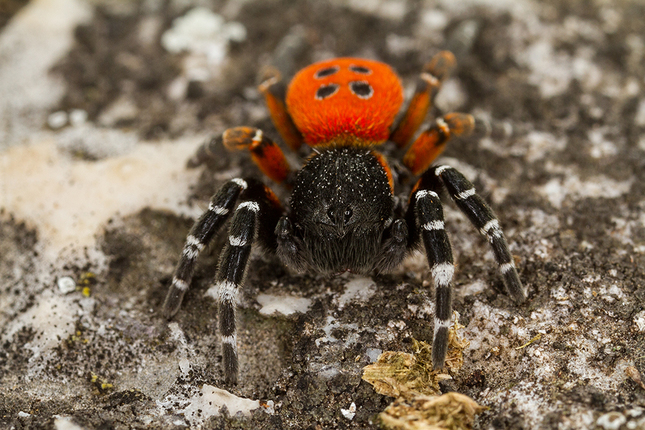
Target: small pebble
[[66, 285], [349, 413], [611, 421], [77, 117], [57, 120]]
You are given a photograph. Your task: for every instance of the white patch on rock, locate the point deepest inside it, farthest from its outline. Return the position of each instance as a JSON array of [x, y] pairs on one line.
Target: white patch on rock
[[531, 403], [540, 222], [601, 147], [69, 200], [373, 354], [433, 20], [611, 421], [400, 45], [639, 320], [484, 327], [177, 335], [65, 423], [202, 31], [33, 41], [205, 35], [541, 144], [393, 10], [585, 349], [211, 399], [52, 318], [351, 335], [285, 305], [96, 143], [557, 190], [122, 109], [358, 289], [472, 289], [452, 96], [611, 293], [551, 71]]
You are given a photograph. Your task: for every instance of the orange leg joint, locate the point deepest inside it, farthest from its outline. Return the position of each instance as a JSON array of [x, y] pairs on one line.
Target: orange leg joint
[[273, 91], [441, 65], [264, 152], [427, 87], [432, 141]]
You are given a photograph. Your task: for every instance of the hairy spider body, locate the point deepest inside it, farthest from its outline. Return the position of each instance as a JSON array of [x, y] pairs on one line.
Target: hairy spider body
[[342, 215], [341, 205]]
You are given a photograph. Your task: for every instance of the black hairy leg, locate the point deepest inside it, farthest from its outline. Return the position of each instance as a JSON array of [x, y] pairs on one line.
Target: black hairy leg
[[200, 235], [425, 216], [425, 213], [463, 193], [254, 219]]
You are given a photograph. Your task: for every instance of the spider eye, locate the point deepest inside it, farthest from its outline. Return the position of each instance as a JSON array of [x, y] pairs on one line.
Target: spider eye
[[348, 215], [360, 69], [340, 216], [362, 89], [331, 214], [327, 71], [326, 91]]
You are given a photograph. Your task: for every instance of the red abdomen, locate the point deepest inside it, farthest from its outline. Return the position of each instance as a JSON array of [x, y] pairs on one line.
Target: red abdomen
[[345, 100]]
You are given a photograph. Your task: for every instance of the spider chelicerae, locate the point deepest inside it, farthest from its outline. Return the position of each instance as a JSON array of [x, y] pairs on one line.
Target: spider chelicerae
[[342, 215]]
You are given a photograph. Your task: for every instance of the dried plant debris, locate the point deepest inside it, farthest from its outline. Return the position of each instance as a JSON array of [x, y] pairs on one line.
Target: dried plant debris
[[411, 379], [399, 374], [451, 411]]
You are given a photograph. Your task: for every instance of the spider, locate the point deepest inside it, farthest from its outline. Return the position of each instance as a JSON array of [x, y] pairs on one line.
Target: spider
[[342, 215]]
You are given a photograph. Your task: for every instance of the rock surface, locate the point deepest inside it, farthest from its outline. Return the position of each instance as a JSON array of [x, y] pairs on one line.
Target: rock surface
[[98, 117]]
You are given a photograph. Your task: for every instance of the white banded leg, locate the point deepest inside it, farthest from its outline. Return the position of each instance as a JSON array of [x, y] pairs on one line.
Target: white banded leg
[[233, 262], [484, 219], [200, 235], [429, 217]]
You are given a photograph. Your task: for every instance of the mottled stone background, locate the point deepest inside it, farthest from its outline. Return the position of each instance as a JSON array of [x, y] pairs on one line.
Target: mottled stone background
[[103, 101]]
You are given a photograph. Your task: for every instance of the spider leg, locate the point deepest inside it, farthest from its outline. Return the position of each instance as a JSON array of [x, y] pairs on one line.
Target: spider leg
[[394, 247], [264, 152], [428, 85], [289, 246], [433, 140], [206, 151], [483, 218], [200, 235], [255, 218], [273, 90], [425, 214]]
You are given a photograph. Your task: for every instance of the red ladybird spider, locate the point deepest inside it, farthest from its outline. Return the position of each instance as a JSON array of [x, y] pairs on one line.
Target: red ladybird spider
[[342, 214]]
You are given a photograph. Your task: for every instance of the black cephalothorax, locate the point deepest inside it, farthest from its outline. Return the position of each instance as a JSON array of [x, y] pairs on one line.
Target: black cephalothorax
[[340, 208]]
